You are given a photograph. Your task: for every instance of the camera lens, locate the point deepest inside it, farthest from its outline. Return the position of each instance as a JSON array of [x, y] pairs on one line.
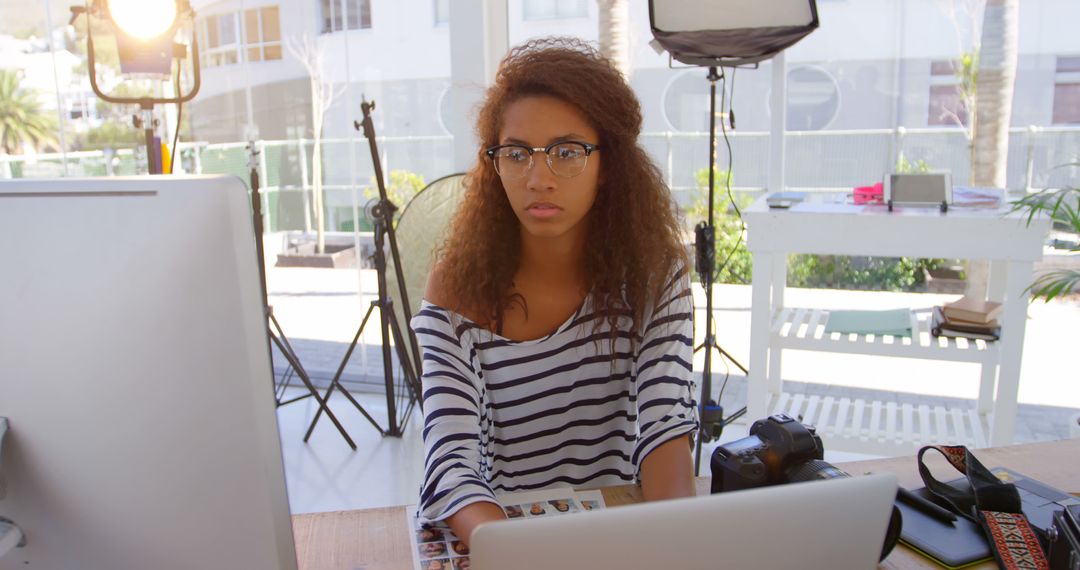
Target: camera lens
[[814, 469]]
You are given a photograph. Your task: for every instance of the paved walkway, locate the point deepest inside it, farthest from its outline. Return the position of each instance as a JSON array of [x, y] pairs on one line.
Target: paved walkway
[[320, 310]]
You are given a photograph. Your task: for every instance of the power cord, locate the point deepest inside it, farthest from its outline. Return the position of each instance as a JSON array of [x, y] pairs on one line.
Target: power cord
[[179, 116], [729, 102]]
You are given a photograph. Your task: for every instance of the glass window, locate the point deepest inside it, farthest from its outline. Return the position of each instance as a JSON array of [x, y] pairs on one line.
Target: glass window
[[262, 31], [442, 12], [219, 35], [813, 99], [251, 26], [226, 25], [338, 13], [1067, 91], [946, 102], [1068, 64], [271, 25], [940, 67], [555, 9], [947, 107]]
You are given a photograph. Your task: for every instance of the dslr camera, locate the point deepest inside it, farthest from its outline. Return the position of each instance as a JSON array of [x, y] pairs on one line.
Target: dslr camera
[[778, 450], [1064, 537]]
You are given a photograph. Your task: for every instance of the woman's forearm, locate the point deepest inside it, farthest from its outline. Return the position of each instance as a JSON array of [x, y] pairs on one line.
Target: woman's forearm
[[668, 472]]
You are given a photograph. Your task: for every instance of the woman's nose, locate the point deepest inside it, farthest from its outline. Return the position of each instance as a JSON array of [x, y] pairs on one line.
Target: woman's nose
[[540, 176]]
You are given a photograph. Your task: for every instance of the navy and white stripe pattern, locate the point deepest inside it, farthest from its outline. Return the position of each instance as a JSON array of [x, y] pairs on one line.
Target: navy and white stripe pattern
[[504, 416]]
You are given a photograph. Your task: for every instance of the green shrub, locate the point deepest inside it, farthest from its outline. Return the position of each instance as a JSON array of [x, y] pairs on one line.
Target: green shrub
[[732, 258]]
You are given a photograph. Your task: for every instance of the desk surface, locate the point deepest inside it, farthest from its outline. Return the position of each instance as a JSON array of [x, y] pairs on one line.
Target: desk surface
[[375, 539]]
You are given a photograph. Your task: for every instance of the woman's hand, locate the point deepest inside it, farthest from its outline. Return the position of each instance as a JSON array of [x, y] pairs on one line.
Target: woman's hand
[[465, 521]]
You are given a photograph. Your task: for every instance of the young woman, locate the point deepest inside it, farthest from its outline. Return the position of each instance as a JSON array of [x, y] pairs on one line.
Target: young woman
[[557, 324]]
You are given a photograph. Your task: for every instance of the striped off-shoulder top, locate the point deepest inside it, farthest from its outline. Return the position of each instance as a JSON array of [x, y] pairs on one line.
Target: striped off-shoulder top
[[503, 415]]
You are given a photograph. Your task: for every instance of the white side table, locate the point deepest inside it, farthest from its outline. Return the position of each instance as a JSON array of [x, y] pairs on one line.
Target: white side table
[[822, 226]]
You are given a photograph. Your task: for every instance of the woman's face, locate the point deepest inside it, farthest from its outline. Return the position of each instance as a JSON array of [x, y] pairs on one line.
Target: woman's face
[[548, 205]]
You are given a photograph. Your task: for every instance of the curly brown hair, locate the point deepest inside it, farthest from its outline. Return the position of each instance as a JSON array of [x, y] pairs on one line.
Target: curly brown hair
[[634, 236]]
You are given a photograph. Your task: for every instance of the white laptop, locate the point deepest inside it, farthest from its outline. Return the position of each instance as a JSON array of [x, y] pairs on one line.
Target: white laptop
[[838, 523]]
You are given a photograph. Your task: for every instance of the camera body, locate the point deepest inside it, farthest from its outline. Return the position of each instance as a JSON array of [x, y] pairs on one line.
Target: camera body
[[778, 450], [1064, 548]]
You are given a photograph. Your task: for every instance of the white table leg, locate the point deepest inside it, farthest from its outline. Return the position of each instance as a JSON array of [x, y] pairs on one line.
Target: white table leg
[[995, 290], [987, 381], [779, 282], [760, 315], [1013, 326], [988, 372]]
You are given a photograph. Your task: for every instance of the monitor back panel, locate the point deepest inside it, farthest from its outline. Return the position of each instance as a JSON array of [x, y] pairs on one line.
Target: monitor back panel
[[134, 370]]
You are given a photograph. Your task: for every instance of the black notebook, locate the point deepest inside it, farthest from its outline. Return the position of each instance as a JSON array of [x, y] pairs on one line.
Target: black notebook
[[952, 545], [962, 543]]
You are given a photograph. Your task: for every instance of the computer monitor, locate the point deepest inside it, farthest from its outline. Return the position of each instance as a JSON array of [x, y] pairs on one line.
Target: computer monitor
[[135, 374]]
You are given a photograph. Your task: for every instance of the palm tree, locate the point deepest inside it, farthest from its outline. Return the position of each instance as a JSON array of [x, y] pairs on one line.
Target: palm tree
[[614, 33], [994, 92], [993, 109], [22, 120]]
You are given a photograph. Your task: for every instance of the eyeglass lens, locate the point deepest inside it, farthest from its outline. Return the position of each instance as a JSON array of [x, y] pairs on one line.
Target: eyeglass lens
[[565, 159]]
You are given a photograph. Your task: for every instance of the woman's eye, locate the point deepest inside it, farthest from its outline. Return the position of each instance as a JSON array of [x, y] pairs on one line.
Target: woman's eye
[[567, 152], [517, 155]]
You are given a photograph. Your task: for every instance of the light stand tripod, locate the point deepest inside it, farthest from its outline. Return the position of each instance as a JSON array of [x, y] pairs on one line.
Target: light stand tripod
[[275, 335], [711, 412], [381, 212]]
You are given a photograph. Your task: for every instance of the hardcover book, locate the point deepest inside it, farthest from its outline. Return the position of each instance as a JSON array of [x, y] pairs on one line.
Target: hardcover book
[[942, 326], [972, 310]]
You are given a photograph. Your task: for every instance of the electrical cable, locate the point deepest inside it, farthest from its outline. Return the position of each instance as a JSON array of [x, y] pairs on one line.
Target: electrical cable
[[727, 179], [742, 224], [179, 115]]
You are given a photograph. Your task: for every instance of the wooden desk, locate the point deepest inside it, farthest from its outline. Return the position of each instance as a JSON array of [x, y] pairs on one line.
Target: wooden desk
[[376, 539]]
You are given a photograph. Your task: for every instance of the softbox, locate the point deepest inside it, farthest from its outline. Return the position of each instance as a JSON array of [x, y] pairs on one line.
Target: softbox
[[730, 32]]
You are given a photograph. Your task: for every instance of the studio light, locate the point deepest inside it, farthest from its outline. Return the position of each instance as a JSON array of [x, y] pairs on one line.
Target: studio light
[[143, 19], [719, 34], [729, 32], [149, 40]]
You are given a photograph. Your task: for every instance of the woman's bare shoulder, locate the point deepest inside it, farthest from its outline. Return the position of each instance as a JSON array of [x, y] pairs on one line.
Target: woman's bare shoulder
[[438, 292]]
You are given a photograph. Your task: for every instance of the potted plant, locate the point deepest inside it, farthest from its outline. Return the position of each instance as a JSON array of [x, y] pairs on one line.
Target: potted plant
[[1062, 205]]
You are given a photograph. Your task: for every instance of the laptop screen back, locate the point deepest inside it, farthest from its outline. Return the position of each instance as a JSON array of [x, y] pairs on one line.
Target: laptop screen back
[[838, 523]]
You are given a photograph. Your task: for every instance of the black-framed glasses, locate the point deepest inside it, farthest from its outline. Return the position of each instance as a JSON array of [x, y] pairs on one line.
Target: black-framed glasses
[[566, 158]]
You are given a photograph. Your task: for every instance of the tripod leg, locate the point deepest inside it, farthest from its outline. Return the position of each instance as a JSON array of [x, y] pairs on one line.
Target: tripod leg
[[411, 375], [412, 383], [314, 391], [385, 311], [730, 358], [350, 398], [290, 356], [283, 342], [337, 378]]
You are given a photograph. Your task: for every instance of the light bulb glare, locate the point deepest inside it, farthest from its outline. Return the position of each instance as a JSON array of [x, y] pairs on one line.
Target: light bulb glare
[[143, 19]]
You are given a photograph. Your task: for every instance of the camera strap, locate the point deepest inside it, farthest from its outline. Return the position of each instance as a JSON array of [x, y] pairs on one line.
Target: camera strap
[[992, 504]]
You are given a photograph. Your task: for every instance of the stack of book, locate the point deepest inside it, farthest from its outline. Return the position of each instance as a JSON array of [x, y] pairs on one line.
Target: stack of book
[[967, 317]]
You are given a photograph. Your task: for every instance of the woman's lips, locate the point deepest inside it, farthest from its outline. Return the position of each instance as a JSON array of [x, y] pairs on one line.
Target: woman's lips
[[543, 210]]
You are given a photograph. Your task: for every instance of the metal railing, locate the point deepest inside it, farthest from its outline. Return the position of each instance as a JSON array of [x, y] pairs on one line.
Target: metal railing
[[815, 160]]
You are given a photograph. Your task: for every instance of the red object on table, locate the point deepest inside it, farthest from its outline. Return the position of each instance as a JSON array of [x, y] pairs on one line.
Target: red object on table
[[870, 194]]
